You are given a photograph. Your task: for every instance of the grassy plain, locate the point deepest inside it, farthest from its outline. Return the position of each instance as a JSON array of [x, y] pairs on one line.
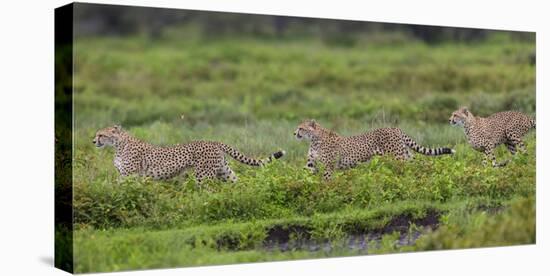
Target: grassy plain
[[251, 93]]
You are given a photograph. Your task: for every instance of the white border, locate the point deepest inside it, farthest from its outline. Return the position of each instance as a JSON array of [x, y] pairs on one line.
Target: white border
[[26, 138]]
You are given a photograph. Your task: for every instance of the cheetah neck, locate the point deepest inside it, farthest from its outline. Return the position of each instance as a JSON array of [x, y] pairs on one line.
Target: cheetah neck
[[122, 141], [470, 124], [322, 134]]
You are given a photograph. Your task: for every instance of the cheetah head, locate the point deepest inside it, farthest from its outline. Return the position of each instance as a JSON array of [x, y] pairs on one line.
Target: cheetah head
[[306, 130], [107, 136], [460, 116]]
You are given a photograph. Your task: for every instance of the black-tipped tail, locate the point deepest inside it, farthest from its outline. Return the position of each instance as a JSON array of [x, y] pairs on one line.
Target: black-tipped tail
[[433, 151], [426, 151], [440, 151], [247, 160], [278, 154]]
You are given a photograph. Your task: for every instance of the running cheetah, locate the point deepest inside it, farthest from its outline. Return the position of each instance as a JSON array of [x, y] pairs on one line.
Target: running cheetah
[[340, 152], [133, 156], [485, 134]]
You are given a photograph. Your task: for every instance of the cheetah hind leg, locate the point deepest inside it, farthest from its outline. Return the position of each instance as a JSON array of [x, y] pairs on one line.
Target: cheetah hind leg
[[407, 155], [516, 142], [227, 174], [489, 155], [521, 145], [202, 174], [403, 154], [511, 147]]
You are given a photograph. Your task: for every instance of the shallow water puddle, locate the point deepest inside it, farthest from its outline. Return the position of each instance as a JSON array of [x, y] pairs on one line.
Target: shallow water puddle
[[356, 242], [297, 237]]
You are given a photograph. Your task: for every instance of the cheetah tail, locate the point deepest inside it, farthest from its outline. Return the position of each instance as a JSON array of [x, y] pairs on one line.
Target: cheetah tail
[[426, 151], [533, 123], [250, 161]]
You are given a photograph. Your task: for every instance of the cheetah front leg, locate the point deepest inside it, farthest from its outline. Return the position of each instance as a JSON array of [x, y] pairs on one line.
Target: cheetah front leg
[[127, 169], [311, 161], [327, 175], [329, 160]]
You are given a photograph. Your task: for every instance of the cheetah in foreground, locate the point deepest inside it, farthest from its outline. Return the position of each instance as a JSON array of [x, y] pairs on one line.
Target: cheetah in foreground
[[340, 152], [485, 134], [133, 156]]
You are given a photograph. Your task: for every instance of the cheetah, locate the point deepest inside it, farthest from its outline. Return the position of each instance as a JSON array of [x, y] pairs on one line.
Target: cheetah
[[485, 134], [341, 152], [133, 156]]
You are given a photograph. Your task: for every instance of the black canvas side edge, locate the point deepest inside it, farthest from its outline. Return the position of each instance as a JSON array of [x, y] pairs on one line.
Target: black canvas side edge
[[63, 138]]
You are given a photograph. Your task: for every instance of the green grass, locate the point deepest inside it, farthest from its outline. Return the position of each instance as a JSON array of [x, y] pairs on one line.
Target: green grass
[[251, 94], [283, 189], [516, 225]]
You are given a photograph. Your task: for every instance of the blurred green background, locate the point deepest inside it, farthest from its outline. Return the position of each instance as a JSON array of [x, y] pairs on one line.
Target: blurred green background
[[139, 66], [171, 76]]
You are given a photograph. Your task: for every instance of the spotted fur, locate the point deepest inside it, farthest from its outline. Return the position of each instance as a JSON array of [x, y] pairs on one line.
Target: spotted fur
[[485, 134], [341, 152], [133, 156]]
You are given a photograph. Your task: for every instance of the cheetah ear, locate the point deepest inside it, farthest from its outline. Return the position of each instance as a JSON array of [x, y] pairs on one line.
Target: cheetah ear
[[312, 123], [118, 128]]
